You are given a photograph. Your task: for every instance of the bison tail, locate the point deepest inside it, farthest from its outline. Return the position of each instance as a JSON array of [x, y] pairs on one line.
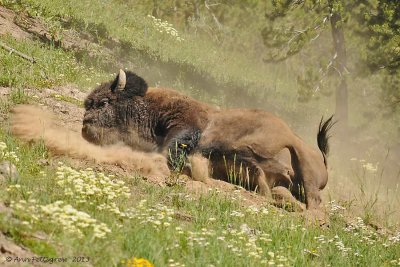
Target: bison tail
[[323, 135]]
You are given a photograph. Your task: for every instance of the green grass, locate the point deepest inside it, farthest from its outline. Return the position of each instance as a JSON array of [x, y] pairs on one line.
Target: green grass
[[54, 67], [219, 231], [68, 99], [291, 240]]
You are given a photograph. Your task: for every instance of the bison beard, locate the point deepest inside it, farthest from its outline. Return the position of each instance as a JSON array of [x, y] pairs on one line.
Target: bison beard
[[268, 154]]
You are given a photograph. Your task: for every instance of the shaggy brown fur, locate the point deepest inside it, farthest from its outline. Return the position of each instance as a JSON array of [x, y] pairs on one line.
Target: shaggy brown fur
[[155, 115]]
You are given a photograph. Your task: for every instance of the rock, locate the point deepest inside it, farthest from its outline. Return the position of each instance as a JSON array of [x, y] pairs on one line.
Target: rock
[[43, 162], [249, 231], [8, 171]]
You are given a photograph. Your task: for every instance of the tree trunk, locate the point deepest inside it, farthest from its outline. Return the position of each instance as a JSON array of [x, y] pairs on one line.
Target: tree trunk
[[340, 65]]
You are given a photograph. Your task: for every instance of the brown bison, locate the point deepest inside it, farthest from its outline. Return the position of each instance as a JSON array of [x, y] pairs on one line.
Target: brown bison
[[125, 110], [246, 146]]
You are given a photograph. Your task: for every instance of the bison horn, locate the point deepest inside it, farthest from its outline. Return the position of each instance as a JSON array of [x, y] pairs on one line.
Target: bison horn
[[121, 80]]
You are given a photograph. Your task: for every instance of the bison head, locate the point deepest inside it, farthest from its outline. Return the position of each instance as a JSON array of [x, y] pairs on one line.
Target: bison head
[[114, 111]]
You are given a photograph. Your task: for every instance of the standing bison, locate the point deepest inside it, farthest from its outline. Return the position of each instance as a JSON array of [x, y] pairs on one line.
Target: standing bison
[[246, 146]]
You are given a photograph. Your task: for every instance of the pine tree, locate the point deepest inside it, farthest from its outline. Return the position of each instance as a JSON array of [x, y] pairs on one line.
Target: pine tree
[[375, 23]]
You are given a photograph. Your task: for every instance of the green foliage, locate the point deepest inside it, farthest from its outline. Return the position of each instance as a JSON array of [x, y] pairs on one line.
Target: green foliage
[[383, 48], [21, 234], [282, 36], [177, 157], [285, 39], [208, 51], [384, 42], [373, 26]]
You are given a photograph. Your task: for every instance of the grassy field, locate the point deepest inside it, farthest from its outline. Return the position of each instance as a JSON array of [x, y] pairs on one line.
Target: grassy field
[[109, 219], [64, 209]]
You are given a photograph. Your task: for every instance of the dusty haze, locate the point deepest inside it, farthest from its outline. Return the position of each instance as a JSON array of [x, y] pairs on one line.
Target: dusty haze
[[31, 123]]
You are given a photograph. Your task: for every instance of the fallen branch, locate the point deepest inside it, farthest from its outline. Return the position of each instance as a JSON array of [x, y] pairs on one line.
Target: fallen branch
[[12, 50], [212, 14]]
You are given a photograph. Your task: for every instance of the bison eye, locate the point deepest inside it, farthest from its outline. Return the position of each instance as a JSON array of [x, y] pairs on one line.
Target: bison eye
[[104, 101], [88, 104]]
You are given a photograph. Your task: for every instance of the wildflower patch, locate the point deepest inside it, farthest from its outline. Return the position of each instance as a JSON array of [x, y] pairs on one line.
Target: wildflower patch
[[158, 216], [7, 154], [165, 27], [61, 215], [96, 189]]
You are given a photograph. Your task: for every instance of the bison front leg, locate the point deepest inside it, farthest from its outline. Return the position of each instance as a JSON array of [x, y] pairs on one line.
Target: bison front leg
[[283, 198], [199, 167], [261, 182]]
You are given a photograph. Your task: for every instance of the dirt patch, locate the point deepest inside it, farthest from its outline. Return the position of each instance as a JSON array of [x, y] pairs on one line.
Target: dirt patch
[[64, 102], [8, 26], [247, 198], [22, 26], [9, 250]]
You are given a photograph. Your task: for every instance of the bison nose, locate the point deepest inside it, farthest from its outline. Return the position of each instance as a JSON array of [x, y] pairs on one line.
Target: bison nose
[[87, 118]]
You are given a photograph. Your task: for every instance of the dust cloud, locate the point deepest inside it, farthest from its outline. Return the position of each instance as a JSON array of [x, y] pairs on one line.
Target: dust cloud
[[31, 123]]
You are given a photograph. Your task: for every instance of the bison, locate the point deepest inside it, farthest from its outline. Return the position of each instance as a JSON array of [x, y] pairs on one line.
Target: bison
[[250, 147], [126, 110]]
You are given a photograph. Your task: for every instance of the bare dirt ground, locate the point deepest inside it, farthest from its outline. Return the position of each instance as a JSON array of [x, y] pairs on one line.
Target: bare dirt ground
[[8, 26], [22, 26]]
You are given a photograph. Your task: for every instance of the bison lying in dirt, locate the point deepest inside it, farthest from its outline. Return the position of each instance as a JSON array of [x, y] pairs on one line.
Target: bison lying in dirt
[[245, 146], [125, 110]]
